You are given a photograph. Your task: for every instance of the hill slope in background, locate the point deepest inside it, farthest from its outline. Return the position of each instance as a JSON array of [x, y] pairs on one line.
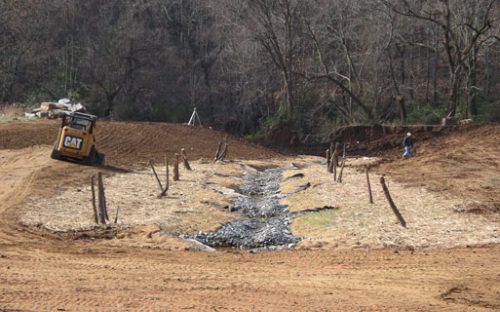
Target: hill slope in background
[[130, 143]]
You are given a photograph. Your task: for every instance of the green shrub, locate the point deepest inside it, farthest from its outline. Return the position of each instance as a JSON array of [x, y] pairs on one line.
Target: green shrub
[[427, 114], [487, 111]]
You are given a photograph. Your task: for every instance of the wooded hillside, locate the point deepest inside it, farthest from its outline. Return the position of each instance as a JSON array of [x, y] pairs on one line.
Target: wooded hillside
[[250, 65]]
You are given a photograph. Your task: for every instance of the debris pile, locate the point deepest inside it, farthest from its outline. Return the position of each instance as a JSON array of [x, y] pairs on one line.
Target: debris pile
[[53, 110], [267, 224]]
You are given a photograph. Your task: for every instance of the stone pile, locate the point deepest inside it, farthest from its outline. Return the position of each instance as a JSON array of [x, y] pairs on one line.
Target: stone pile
[[266, 220]]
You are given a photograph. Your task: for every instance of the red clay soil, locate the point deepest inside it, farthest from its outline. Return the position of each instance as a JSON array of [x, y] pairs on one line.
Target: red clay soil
[[132, 143], [39, 273]]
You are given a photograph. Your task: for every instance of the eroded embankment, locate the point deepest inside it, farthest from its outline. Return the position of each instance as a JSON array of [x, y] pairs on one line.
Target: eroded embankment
[[265, 221]]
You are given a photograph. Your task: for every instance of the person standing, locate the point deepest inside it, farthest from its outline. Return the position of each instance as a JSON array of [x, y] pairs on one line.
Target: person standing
[[408, 145]]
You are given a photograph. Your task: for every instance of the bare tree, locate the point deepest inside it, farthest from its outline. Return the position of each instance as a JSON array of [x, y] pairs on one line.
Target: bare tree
[[466, 28]]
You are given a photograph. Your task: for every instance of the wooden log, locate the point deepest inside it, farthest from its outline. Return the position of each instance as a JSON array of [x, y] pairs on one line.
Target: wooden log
[[369, 185], [185, 160], [94, 207], [176, 168], [391, 202]]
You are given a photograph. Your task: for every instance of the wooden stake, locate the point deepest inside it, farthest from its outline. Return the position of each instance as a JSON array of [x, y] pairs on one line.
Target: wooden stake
[[92, 187], [391, 202], [156, 175], [185, 160], [334, 169], [327, 155], [176, 168], [341, 171], [217, 153], [369, 185], [163, 191], [116, 216], [167, 173], [102, 199], [224, 152], [334, 161]]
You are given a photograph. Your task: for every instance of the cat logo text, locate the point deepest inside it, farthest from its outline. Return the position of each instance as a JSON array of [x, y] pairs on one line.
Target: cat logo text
[[73, 142]]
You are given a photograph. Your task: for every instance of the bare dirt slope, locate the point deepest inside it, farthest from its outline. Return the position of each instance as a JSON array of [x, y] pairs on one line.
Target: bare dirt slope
[[40, 273], [465, 164], [129, 143]]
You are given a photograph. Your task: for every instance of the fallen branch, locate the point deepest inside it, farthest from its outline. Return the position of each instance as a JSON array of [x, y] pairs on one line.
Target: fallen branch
[[391, 202], [301, 188]]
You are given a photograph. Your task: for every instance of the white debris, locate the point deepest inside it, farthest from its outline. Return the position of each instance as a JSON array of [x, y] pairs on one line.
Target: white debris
[[57, 109]]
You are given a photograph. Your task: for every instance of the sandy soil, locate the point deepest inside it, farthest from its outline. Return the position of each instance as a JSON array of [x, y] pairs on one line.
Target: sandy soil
[[137, 269]]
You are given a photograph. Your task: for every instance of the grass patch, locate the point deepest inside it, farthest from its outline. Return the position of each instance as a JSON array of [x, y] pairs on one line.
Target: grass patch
[[495, 181], [315, 220]]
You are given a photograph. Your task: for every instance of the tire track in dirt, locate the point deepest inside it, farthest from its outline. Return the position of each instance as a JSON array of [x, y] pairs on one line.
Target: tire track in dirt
[[315, 281]]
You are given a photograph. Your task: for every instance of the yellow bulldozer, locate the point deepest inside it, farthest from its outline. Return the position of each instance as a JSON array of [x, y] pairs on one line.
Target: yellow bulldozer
[[76, 141]]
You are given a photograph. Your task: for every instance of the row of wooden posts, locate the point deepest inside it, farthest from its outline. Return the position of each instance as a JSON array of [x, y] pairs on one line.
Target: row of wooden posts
[[99, 200], [332, 157]]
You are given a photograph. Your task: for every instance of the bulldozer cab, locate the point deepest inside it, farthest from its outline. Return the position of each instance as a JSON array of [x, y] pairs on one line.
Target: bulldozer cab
[[76, 141], [79, 121]]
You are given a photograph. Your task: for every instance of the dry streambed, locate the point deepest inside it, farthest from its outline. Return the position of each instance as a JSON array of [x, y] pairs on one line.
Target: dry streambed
[[235, 204]]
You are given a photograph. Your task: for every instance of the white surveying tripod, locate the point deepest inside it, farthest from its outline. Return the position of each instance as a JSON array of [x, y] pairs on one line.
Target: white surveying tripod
[[194, 117]]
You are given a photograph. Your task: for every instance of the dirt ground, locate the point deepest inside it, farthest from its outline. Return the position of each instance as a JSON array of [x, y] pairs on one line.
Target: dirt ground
[[355, 257]]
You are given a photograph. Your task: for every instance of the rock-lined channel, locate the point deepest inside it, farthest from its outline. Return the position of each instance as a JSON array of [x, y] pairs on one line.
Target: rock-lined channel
[[265, 222]]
